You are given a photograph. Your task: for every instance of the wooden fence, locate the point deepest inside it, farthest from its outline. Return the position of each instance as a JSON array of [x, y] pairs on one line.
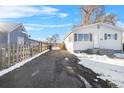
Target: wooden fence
[[123, 47], [15, 54]]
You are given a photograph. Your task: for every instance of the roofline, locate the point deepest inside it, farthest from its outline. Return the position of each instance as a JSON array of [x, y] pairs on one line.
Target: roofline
[[19, 25], [104, 24]]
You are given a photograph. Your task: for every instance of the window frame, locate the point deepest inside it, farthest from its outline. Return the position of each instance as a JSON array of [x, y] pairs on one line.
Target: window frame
[[110, 36], [82, 37]]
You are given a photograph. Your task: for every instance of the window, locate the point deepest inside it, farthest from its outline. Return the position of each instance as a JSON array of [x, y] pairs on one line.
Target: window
[[110, 36], [105, 36], [90, 37], [80, 37], [83, 37], [115, 36], [75, 37]]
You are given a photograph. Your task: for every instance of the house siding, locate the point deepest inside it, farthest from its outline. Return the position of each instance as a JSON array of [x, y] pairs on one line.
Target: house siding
[[102, 43], [69, 44], [13, 37], [112, 43], [83, 45], [3, 39], [17, 33]]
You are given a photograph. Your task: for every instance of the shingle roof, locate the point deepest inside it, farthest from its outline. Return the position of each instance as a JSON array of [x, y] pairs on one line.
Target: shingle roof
[[9, 27]]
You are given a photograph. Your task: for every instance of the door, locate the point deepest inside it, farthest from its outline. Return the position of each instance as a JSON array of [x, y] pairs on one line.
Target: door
[[96, 40]]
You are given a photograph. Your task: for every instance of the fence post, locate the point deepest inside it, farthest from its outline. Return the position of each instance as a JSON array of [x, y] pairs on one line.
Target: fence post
[[8, 41], [17, 53], [1, 61], [23, 53], [2, 57], [12, 49], [46, 46], [40, 46]]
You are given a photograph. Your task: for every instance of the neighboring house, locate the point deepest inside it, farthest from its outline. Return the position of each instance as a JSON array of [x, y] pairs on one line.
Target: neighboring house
[[12, 34], [99, 35]]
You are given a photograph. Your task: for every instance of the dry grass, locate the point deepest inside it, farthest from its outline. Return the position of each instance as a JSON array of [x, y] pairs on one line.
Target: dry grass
[[62, 46]]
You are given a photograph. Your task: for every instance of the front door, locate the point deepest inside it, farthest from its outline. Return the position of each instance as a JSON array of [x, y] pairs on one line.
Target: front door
[[96, 40]]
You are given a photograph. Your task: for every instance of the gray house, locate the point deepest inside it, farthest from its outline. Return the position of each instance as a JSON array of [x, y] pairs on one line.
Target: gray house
[[12, 34]]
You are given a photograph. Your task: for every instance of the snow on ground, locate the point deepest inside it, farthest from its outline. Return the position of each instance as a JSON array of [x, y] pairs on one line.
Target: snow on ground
[[18, 65], [108, 68], [119, 55]]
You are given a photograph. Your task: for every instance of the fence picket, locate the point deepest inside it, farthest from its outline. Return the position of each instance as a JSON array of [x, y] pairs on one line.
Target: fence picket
[[17, 53]]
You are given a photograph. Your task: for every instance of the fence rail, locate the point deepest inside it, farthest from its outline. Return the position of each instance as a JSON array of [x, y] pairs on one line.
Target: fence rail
[[15, 54]]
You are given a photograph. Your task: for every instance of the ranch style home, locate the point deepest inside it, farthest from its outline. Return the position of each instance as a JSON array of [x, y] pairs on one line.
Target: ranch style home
[[94, 36]]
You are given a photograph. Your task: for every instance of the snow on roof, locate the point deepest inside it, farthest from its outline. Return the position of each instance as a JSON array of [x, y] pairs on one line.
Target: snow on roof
[[9, 27], [90, 25]]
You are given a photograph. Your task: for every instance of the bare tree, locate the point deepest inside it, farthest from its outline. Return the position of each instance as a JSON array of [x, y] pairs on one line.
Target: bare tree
[[107, 18], [95, 13], [49, 39], [53, 39], [90, 11]]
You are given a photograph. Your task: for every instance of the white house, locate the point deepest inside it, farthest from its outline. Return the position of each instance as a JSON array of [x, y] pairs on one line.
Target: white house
[[99, 35]]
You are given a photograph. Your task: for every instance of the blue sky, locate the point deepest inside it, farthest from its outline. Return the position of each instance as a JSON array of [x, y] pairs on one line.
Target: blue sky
[[44, 21]]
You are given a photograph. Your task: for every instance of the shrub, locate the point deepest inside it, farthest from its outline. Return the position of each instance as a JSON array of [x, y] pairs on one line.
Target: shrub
[[110, 84], [62, 46]]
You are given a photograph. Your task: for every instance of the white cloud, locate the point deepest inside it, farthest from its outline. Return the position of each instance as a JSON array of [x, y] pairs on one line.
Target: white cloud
[[62, 15], [27, 11], [6, 20], [39, 27], [49, 10], [46, 26], [121, 24], [33, 28], [18, 11]]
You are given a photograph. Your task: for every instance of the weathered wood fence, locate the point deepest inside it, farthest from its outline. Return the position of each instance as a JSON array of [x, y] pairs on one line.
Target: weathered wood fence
[[15, 54]]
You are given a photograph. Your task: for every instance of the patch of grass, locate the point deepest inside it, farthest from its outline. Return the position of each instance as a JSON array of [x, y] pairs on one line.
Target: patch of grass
[[111, 84]]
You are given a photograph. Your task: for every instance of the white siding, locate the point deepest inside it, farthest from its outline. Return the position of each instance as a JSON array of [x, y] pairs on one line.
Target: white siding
[[110, 43], [104, 44], [83, 45], [68, 43]]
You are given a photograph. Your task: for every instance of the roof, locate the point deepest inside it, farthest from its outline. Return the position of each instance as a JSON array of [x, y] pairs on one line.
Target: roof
[[87, 26], [9, 27]]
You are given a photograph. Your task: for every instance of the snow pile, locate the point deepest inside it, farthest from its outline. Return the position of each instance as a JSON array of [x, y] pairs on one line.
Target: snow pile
[[119, 55], [101, 58], [18, 65], [107, 68]]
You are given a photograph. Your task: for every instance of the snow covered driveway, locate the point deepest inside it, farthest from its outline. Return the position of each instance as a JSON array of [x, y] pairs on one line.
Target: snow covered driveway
[[109, 69]]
